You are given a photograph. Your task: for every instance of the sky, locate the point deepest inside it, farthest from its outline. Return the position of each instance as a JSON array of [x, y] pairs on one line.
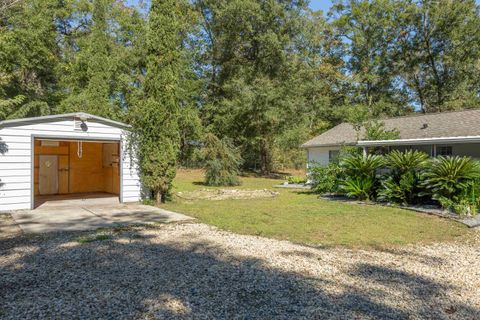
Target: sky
[[323, 5]]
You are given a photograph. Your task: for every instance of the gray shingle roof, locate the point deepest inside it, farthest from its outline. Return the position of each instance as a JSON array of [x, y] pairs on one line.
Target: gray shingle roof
[[438, 125]]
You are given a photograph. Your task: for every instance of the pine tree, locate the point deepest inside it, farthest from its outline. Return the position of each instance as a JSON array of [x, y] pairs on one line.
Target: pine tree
[[156, 115], [97, 91]]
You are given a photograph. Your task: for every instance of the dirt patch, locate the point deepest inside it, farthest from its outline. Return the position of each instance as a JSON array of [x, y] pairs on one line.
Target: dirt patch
[[8, 227], [225, 194]]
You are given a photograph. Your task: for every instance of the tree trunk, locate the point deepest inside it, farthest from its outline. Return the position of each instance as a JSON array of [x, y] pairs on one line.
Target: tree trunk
[[265, 159], [159, 197]]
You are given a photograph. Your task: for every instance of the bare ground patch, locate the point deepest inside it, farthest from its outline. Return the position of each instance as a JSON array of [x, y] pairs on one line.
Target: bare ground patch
[[8, 227], [226, 194]]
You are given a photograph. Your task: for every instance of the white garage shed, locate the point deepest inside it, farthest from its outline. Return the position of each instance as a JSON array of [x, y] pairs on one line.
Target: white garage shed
[[67, 155]]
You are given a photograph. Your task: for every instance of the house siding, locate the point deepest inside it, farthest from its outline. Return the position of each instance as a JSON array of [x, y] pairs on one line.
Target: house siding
[[16, 159], [319, 156]]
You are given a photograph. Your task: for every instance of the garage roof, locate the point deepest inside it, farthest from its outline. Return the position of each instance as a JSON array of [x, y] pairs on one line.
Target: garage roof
[[81, 115]]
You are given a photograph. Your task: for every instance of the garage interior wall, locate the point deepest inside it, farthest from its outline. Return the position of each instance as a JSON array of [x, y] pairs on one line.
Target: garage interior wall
[[97, 170]]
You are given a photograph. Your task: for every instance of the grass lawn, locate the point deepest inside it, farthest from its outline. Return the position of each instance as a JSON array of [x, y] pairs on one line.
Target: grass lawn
[[302, 217]]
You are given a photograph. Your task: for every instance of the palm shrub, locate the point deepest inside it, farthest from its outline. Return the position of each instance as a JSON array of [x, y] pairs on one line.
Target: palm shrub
[[403, 183], [222, 162], [453, 182], [361, 176], [360, 187]]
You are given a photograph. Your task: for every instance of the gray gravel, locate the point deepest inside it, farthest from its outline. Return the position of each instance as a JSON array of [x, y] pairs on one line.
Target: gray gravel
[[196, 271]]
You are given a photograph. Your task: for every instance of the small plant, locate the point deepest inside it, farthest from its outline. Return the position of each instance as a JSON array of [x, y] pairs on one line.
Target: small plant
[[361, 187], [296, 180], [94, 237], [222, 162]]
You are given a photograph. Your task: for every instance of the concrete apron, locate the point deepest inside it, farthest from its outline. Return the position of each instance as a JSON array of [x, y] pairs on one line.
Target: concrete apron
[[89, 214]]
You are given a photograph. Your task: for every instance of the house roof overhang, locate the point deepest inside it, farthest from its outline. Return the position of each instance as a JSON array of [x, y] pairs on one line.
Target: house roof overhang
[[419, 141]]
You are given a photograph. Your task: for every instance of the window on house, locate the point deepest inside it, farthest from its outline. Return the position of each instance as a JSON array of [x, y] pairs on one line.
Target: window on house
[[333, 155], [444, 151]]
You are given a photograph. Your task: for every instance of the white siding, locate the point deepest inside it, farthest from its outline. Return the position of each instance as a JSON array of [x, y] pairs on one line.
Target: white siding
[[16, 157], [319, 156], [131, 187]]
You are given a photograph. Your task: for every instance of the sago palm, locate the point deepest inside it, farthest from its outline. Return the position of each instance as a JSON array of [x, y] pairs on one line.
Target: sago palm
[[407, 161], [450, 176], [358, 165]]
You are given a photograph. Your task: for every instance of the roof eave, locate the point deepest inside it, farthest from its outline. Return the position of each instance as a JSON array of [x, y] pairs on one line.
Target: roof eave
[[65, 115], [418, 141], [306, 146]]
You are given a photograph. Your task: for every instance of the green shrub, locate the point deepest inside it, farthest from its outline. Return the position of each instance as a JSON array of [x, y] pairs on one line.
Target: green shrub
[[361, 179], [407, 161], [450, 176], [402, 185], [326, 179], [296, 180], [453, 182], [360, 187], [222, 162], [359, 165]]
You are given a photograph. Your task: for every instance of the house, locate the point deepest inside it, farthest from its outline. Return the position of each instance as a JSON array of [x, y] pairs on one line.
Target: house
[[64, 155], [446, 133]]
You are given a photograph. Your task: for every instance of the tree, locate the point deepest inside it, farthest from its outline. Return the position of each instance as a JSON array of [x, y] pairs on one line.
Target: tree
[[262, 65], [368, 32], [99, 59], [222, 162], [375, 130], [438, 49], [29, 56], [156, 115]]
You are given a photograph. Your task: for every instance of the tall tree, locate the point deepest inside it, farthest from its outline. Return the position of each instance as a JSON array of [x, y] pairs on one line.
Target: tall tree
[[249, 63], [29, 56], [155, 117], [439, 52], [104, 53], [368, 32]]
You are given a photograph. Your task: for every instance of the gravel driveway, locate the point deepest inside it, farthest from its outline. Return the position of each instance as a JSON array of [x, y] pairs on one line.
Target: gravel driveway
[[196, 271]]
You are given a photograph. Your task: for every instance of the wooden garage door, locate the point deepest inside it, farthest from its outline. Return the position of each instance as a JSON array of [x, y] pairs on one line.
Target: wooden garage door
[[48, 174]]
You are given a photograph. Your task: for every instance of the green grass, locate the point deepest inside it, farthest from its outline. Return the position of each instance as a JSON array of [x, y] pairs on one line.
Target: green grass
[[93, 237], [304, 218]]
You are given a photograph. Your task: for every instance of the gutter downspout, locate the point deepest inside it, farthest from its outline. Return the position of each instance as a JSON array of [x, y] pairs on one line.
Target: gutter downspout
[[365, 151]]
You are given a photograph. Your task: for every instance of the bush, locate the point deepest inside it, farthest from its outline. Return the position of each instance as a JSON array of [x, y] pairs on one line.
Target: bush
[[326, 179], [361, 187], [403, 183], [296, 180], [361, 180], [359, 165], [222, 162], [453, 182]]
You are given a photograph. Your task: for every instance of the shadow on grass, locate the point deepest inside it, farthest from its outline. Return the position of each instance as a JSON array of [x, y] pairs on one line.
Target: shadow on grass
[[136, 276], [201, 183]]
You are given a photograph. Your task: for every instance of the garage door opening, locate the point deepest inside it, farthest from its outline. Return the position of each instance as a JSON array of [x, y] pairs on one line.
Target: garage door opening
[[75, 169]]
